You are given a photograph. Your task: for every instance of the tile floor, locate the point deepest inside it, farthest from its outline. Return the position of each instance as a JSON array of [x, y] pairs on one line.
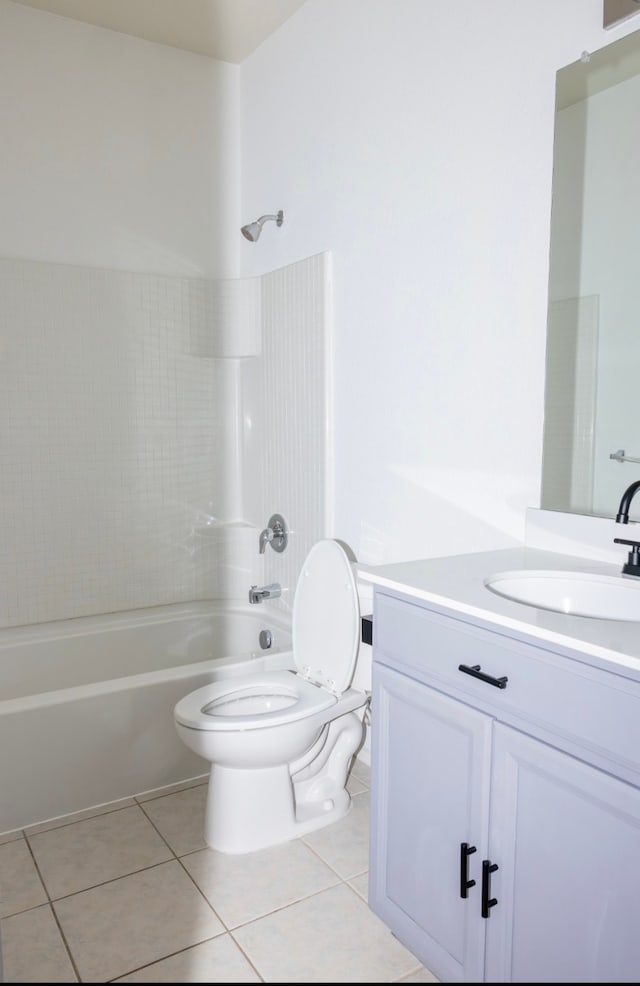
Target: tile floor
[[131, 893]]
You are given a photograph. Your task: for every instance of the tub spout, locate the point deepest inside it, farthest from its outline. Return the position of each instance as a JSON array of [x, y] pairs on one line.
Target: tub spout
[[257, 594]]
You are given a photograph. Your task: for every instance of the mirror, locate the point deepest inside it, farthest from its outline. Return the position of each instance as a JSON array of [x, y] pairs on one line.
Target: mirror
[[591, 442]]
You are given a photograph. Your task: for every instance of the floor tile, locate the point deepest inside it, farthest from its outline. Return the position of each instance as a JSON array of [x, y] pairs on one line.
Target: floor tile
[[361, 885], [362, 771], [97, 849], [421, 976], [344, 845], [118, 927], [216, 961], [20, 885], [180, 818], [354, 785], [354, 946], [247, 886], [33, 950]]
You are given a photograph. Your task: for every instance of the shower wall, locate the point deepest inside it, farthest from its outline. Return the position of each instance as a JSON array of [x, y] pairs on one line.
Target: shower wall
[[287, 403], [151, 420], [133, 362], [149, 426]]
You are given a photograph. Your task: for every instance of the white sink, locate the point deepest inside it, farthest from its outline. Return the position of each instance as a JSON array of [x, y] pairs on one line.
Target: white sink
[[603, 597]]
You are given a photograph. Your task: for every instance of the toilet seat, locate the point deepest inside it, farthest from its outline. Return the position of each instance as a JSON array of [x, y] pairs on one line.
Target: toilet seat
[[326, 614], [292, 695], [326, 638]]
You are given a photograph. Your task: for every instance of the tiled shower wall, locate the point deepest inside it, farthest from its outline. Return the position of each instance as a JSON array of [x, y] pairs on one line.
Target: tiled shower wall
[[287, 402], [121, 426]]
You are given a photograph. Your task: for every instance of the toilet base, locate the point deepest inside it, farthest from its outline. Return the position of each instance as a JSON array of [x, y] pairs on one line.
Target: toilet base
[[254, 809]]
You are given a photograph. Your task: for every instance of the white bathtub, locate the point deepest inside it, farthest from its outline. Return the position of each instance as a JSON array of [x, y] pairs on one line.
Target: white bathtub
[[86, 705]]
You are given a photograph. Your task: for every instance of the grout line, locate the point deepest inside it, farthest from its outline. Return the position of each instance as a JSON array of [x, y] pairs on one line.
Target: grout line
[[171, 955], [250, 961], [66, 944], [52, 910], [158, 832], [37, 869]]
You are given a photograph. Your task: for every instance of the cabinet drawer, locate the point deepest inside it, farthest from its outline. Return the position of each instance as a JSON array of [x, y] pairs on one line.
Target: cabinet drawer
[[546, 693]]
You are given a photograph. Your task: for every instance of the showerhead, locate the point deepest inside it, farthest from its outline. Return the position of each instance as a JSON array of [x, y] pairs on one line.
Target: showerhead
[[252, 230]]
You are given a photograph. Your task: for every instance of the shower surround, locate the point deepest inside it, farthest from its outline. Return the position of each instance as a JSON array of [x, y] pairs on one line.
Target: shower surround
[[150, 426]]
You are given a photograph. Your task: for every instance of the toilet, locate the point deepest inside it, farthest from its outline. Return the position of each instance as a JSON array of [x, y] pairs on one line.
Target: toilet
[[280, 743]]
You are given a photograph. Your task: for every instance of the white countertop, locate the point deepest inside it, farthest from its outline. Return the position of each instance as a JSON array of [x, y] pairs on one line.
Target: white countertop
[[457, 582]]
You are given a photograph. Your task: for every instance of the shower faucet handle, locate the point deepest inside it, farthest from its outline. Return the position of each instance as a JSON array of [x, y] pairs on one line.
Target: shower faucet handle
[[275, 534]]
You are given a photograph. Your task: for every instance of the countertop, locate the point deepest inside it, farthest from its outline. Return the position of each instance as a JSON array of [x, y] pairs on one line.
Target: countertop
[[456, 582]]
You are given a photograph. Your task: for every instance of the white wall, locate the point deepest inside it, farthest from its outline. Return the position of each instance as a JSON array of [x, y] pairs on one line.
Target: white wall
[[116, 152], [414, 140]]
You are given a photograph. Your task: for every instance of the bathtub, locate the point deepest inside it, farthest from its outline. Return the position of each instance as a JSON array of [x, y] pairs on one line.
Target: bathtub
[[86, 705]]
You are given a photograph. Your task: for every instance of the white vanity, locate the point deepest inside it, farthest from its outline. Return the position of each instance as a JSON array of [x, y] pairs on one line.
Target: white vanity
[[505, 754]]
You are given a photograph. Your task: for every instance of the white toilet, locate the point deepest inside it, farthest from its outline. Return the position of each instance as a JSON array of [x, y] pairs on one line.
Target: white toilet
[[280, 743]]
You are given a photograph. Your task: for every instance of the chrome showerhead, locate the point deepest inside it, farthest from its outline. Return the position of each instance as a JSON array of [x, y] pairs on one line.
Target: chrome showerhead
[[252, 230]]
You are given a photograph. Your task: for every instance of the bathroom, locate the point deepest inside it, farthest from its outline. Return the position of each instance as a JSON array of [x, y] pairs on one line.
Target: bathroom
[[421, 166]]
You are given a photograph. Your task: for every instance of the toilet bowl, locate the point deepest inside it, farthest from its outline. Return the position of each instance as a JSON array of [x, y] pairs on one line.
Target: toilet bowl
[[280, 743]]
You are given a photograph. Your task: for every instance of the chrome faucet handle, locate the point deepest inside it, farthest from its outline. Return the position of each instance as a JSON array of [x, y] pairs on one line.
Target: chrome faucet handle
[[275, 534], [266, 537]]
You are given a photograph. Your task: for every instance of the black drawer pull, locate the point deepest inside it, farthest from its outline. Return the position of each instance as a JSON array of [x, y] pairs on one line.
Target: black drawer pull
[[475, 672], [465, 851], [487, 901]]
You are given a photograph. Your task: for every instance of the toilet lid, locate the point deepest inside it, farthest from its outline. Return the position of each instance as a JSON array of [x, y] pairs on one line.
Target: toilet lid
[[325, 628]]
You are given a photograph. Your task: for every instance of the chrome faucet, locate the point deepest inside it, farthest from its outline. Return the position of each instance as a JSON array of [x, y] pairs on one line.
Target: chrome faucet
[[632, 565], [258, 593], [274, 534]]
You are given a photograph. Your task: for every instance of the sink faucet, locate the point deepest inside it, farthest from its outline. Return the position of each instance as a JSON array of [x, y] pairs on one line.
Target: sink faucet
[[632, 565], [625, 503], [257, 594]]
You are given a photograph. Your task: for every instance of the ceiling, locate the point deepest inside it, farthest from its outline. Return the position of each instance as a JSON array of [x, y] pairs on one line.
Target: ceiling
[[228, 30]]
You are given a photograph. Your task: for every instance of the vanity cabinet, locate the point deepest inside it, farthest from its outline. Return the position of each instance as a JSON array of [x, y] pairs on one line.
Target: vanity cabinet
[[505, 816]]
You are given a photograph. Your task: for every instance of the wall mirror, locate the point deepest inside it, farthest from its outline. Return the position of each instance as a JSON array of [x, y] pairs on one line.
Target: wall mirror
[[591, 443]]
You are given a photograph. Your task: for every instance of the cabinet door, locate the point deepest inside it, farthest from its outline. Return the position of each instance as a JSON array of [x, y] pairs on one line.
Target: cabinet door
[[566, 837], [429, 788]]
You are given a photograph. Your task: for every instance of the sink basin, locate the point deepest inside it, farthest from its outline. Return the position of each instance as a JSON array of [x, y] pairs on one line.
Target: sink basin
[[602, 597]]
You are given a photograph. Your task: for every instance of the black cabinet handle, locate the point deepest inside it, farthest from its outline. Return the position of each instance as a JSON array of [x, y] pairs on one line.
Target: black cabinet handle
[[465, 851], [487, 901], [475, 672]]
